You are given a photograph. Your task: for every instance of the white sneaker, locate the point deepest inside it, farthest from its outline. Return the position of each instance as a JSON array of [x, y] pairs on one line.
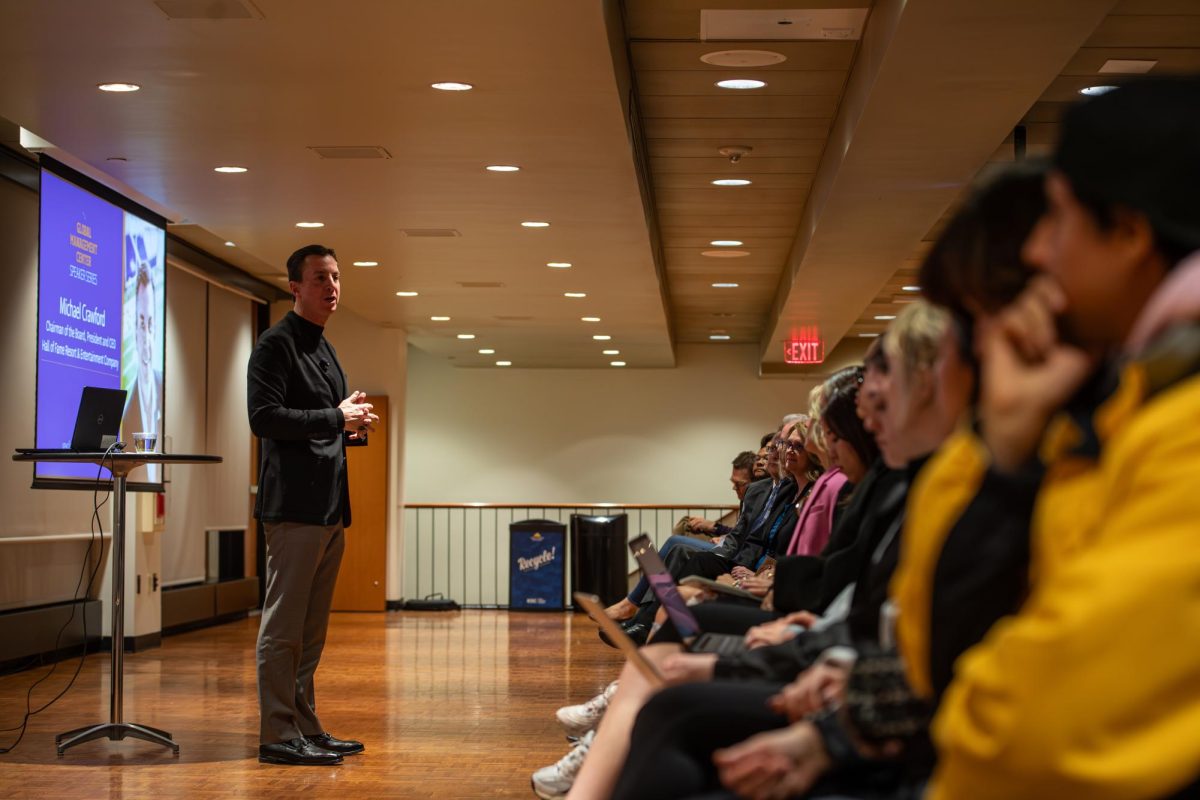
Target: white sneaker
[[577, 720], [553, 782]]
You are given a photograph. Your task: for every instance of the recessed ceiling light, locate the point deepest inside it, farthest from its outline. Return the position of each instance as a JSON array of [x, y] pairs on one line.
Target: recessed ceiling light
[[366, 263], [612, 352], [1096, 91], [439, 319], [466, 336], [487, 351], [535, 224], [229, 170], [731, 182], [559, 264], [617, 363], [911, 288], [743, 58], [502, 168], [503, 363], [452, 86], [601, 337], [868, 335], [720, 337], [724, 286], [741, 83], [118, 87], [310, 224], [885, 316], [725, 253], [574, 294], [589, 319], [726, 243], [230, 244], [406, 294]]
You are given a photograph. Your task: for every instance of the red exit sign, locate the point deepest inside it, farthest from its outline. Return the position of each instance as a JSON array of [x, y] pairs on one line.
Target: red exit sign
[[807, 348]]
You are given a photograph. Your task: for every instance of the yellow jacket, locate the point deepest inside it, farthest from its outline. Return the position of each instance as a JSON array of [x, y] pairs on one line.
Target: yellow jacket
[[936, 500], [1093, 689]]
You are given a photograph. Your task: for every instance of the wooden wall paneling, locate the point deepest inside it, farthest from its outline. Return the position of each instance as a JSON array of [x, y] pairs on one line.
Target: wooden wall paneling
[[362, 581]]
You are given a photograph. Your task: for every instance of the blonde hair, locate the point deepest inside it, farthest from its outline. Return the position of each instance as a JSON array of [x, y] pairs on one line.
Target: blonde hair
[[914, 337], [816, 407]]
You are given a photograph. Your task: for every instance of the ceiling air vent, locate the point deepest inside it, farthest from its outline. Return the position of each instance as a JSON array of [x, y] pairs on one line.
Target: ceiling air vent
[[429, 233], [480, 284], [208, 9], [342, 152], [781, 24]]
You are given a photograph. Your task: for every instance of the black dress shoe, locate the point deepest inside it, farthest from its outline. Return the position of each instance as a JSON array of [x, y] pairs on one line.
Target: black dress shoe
[[637, 631], [297, 752], [327, 741], [634, 630]]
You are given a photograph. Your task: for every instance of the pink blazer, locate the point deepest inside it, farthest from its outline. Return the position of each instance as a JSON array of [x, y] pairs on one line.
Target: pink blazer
[[816, 517]]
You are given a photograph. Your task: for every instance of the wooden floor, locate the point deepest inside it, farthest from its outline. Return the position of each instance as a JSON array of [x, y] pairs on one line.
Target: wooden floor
[[450, 705]]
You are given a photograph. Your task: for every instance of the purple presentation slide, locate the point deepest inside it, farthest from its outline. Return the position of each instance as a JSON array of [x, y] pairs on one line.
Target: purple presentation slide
[[79, 311]]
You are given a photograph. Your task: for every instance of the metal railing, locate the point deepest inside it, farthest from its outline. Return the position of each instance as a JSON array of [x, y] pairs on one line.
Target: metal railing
[[460, 550]]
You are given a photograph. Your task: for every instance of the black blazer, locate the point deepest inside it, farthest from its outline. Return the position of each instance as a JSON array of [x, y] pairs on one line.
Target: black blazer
[[294, 384], [752, 507], [780, 522]]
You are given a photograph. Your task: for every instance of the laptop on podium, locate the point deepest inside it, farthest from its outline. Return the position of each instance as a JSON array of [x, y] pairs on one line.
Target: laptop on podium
[[97, 423]]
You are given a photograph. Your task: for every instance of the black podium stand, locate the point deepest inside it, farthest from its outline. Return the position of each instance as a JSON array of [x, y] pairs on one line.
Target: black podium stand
[[121, 465]]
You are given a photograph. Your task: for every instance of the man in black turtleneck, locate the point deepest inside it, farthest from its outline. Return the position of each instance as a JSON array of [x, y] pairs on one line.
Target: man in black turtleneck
[[294, 389]]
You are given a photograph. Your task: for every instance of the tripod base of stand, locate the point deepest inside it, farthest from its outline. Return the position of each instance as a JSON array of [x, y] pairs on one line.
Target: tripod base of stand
[[114, 731]]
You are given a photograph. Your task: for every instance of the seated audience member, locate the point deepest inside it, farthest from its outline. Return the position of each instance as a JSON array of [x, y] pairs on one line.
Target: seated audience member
[[1088, 409], [815, 521], [760, 461], [915, 431], [961, 568], [627, 606], [802, 584], [975, 266], [741, 564], [805, 471], [769, 508], [741, 479]]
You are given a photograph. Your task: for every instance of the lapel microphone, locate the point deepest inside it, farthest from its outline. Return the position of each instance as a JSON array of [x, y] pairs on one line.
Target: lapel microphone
[[324, 364]]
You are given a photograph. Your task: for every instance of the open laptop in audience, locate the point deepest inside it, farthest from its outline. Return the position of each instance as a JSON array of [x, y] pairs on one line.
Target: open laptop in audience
[[97, 423], [685, 622]]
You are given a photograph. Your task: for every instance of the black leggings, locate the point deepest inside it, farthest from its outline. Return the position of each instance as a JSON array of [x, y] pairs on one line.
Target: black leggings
[[676, 733], [670, 750]]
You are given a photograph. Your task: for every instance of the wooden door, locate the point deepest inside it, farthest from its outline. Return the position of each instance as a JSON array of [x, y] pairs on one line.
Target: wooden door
[[362, 581]]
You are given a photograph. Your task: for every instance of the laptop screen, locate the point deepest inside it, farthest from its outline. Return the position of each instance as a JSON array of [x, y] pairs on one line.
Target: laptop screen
[[663, 586]]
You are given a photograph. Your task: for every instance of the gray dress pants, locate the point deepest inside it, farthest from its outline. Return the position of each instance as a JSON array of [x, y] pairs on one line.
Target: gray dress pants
[[301, 570]]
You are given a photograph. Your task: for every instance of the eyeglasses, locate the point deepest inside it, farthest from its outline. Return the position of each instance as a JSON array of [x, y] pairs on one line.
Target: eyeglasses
[[792, 444]]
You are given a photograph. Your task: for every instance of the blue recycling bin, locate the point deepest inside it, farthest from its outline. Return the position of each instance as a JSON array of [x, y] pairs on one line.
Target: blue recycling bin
[[537, 565]]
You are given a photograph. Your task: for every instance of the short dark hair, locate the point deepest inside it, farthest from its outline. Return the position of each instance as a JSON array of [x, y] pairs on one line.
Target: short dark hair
[[295, 262], [744, 460], [976, 261], [1137, 148], [767, 439]]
